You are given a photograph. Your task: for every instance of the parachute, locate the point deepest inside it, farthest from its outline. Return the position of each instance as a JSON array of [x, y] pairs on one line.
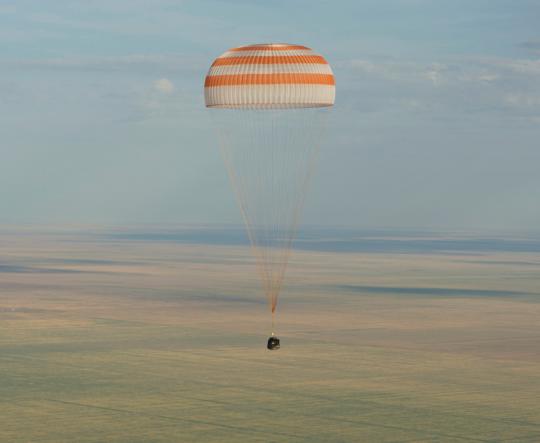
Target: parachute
[[269, 103]]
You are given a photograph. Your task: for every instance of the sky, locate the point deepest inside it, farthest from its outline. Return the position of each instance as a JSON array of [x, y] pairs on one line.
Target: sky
[[436, 123]]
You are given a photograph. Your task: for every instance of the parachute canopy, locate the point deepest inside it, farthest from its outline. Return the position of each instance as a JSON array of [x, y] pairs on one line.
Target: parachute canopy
[[269, 75]]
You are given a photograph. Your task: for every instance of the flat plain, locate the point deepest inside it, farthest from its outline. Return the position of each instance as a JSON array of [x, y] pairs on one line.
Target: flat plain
[[108, 336]]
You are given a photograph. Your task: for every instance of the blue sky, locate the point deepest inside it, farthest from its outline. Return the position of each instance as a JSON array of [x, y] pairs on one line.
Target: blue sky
[[436, 123]]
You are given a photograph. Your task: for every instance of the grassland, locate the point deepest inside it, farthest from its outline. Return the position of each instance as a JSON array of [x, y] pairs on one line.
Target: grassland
[[118, 340]]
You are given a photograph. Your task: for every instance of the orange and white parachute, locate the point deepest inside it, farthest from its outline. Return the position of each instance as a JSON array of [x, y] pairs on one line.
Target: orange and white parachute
[[270, 104], [269, 75]]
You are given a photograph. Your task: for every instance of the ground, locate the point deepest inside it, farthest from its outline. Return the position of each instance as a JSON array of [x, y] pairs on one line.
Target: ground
[[111, 338]]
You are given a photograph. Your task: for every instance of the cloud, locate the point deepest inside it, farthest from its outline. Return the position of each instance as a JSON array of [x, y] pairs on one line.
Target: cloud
[[134, 62], [395, 70], [164, 86], [531, 45], [434, 73], [522, 100], [525, 67], [464, 85]]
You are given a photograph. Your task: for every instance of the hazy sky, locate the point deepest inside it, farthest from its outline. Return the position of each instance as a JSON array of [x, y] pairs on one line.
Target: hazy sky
[[436, 123]]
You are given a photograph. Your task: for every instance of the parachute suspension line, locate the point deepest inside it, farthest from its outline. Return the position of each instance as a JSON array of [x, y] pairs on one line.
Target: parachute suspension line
[[270, 155], [225, 143]]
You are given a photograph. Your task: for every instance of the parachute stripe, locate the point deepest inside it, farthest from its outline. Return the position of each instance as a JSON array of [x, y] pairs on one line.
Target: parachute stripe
[[257, 96], [269, 79], [258, 53], [268, 47], [269, 69], [275, 60]]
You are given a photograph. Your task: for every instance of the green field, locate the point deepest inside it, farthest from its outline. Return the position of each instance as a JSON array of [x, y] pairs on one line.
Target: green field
[[148, 341]]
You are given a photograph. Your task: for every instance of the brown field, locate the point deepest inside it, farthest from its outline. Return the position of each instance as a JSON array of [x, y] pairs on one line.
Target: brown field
[[111, 340]]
